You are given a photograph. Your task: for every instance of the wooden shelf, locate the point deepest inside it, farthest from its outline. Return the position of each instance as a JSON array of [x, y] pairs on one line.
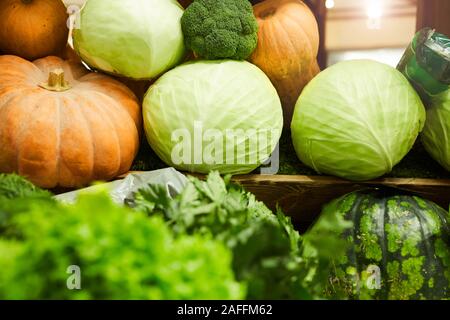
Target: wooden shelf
[[302, 197]]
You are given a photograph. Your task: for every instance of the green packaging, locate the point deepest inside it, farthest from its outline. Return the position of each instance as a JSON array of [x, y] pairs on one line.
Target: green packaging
[[426, 63]]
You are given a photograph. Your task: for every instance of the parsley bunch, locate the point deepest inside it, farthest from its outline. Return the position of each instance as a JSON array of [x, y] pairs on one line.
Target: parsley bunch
[[269, 255]]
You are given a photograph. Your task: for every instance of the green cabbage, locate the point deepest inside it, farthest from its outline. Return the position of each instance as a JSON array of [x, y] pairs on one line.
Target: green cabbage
[[139, 39], [213, 115], [356, 120], [436, 134]]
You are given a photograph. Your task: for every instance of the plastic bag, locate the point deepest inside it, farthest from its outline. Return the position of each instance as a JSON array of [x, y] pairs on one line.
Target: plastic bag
[[122, 190]]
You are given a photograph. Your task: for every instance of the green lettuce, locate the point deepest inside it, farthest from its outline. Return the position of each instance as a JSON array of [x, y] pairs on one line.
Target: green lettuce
[[120, 253]]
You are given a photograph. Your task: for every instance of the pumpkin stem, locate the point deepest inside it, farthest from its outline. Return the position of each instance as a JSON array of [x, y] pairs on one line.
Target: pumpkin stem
[[56, 81]]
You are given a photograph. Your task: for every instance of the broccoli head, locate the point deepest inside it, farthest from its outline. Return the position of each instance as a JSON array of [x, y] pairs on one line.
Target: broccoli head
[[220, 29]]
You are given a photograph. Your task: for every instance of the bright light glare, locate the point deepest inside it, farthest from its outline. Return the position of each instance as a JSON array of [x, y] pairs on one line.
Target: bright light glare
[[329, 4], [374, 9]]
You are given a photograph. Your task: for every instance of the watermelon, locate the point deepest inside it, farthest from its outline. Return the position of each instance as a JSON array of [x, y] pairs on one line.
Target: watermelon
[[398, 247]]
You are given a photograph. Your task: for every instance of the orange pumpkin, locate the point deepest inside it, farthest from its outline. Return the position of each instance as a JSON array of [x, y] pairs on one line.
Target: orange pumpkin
[[33, 29], [61, 126], [288, 44]]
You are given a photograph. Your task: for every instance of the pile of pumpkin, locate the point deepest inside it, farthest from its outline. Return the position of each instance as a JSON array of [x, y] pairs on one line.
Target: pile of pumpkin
[[64, 125]]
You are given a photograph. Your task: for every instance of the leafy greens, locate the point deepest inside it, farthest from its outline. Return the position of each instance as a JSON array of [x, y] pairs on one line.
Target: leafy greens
[[122, 254], [269, 255]]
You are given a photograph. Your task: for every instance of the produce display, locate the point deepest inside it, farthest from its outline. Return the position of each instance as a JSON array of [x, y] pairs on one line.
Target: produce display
[[220, 115], [134, 39], [287, 48], [417, 163], [33, 29], [121, 249], [403, 239], [357, 120], [214, 88], [63, 126]]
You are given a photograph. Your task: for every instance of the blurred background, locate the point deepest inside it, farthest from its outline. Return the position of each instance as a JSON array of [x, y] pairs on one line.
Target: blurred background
[[374, 29]]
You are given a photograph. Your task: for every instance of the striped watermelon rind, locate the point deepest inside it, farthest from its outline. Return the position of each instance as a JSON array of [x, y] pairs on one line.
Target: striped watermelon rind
[[399, 247]]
